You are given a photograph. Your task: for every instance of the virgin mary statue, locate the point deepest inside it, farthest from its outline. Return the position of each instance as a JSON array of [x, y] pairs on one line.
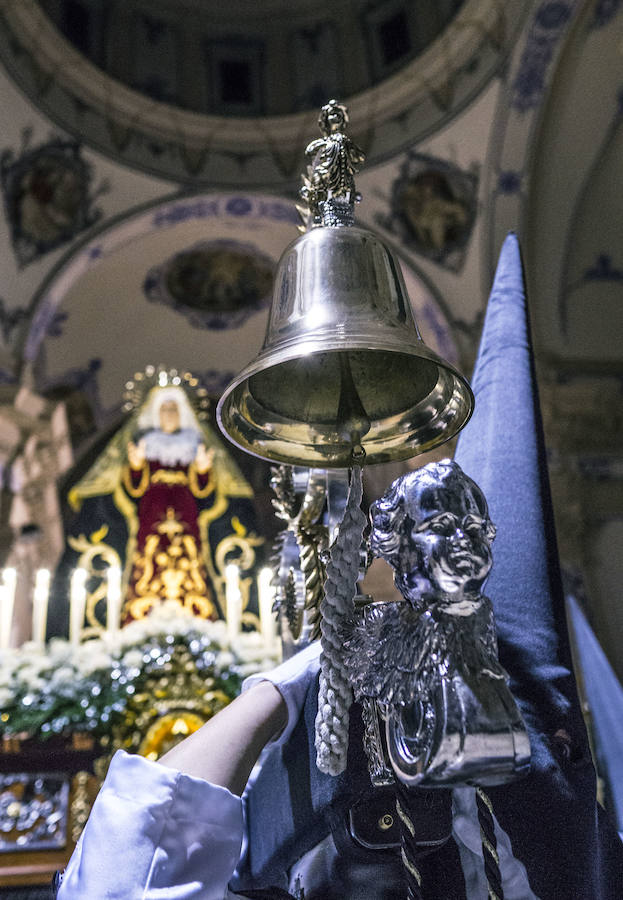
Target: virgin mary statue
[[169, 472], [166, 502]]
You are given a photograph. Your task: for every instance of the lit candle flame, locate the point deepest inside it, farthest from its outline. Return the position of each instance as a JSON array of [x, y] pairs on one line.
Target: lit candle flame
[[77, 604], [233, 597], [113, 599], [7, 602], [40, 606]]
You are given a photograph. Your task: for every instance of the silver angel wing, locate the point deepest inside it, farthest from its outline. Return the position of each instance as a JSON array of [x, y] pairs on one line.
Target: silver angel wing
[[393, 653]]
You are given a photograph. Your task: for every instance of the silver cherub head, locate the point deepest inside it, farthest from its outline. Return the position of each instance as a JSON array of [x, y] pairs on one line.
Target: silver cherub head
[[431, 664], [433, 527]]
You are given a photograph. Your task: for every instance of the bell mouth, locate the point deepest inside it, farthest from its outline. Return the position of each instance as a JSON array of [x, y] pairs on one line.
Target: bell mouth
[[288, 407]]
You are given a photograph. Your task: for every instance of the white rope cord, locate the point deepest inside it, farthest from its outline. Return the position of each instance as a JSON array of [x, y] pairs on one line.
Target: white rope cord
[[335, 693]]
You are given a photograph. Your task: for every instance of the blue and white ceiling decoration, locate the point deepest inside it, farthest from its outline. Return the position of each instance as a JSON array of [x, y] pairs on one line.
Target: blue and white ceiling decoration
[[605, 11], [433, 209], [11, 319], [48, 196], [215, 284], [549, 24]]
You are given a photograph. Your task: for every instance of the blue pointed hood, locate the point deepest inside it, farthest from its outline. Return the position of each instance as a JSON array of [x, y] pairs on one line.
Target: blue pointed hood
[[551, 816], [604, 695], [503, 450]]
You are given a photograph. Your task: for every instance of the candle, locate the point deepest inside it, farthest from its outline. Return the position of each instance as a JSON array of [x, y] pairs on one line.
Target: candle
[[40, 606], [113, 599], [7, 602], [233, 598], [266, 598], [77, 604]]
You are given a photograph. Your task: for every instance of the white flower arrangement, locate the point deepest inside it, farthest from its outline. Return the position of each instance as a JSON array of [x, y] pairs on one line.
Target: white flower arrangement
[[62, 687]]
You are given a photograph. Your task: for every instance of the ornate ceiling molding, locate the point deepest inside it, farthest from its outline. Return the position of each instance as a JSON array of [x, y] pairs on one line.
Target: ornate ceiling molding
[[198, 149]]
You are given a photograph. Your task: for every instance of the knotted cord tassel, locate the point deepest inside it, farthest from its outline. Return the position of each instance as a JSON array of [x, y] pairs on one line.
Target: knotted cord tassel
[[489, 845], [335, 694]]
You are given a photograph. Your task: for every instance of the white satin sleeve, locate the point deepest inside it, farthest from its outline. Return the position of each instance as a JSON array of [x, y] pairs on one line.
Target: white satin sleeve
[[155, 833]]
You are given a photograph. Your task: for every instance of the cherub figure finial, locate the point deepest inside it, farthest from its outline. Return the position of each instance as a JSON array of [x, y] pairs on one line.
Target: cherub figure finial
[[329, 185], [333, 117]]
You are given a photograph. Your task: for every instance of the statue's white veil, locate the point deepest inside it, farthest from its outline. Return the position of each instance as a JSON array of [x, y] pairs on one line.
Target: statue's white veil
[[149, 414]]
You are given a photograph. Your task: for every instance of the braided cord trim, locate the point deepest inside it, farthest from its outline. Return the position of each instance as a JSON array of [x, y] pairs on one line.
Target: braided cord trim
[[335, 694]]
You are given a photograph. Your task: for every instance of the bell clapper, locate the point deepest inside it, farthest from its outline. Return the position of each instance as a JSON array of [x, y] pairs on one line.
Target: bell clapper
[[352, 420], [358, 453]]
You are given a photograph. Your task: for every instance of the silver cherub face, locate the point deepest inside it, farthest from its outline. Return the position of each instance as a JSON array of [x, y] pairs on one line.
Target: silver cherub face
[[433, 528], [431, 664]]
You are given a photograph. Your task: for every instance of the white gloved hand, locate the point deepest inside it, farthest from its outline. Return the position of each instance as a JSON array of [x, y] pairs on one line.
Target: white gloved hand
[[292, 679]]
